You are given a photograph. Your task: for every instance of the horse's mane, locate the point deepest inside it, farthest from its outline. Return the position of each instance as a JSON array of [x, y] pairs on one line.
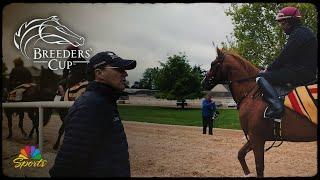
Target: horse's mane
[[249, 67]]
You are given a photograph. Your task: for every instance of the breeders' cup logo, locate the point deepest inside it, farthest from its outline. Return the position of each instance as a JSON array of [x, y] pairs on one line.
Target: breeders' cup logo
[[50, 31]]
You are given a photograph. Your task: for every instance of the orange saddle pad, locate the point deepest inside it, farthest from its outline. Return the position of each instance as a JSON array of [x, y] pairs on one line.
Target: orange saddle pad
[[17, 93], [75, 91], [303, 100]]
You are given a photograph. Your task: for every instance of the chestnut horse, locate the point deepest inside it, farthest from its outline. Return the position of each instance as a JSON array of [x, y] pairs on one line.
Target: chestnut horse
[[240, 76]]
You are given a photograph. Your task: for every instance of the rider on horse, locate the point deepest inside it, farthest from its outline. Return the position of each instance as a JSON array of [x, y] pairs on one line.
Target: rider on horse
[[19, 74], [295, 66]]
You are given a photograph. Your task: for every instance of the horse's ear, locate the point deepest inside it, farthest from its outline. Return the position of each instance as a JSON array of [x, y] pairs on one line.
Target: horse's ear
[[219, 52]]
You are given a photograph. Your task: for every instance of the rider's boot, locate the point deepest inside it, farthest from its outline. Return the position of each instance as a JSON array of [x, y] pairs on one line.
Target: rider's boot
[[276, 109]]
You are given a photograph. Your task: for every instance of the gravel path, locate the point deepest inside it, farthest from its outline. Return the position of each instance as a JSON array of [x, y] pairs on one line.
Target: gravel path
[[174, 151]]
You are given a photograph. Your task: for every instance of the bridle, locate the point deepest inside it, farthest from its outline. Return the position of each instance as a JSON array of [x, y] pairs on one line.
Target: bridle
[[229, 82]]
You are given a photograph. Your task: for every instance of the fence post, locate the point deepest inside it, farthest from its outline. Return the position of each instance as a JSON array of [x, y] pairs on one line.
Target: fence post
[[40, 128], [41, 105]]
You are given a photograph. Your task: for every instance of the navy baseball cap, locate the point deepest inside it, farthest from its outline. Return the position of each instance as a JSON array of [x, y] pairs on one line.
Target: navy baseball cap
[[110, 58]]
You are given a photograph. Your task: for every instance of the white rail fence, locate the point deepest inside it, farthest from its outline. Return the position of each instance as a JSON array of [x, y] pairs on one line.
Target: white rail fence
[[40, 105]]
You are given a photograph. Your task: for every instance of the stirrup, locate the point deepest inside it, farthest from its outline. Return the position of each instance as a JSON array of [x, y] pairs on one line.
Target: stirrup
[[264, 115]]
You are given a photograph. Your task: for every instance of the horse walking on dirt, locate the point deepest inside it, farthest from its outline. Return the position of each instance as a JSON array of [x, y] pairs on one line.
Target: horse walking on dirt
[[240, 75], [28, 93]]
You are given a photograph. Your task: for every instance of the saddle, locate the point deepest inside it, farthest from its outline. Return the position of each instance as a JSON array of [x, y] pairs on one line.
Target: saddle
[[303, 100], [75, 91], [17, 93]]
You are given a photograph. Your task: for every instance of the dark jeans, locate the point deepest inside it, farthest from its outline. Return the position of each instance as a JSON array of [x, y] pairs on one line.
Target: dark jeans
[[207, 121]]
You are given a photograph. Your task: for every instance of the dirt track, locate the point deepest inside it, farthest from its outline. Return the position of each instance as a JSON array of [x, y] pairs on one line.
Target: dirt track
[[176, 151]]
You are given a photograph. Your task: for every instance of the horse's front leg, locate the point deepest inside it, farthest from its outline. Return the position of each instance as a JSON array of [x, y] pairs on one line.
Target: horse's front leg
[[9, 117], [242, 155], [21, 117], [36, 125], [257, 144], [32, 116], [61, 131]]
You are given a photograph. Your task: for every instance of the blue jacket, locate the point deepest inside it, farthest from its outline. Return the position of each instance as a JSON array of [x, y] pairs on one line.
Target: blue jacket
[[208, 107], [299, 54], [95, 143]]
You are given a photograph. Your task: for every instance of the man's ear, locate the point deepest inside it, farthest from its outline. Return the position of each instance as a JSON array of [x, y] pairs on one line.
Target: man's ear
[[97, 72]]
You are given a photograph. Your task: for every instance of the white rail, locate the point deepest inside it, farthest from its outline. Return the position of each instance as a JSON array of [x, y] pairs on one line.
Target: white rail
[[40, 105]]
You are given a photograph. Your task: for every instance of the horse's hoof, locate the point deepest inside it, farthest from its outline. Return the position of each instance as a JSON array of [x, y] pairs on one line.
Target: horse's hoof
[[248, 175]]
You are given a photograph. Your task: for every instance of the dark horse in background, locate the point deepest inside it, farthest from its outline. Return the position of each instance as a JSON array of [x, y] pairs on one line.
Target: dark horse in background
[[70, 88], [45, 91], [240, 75]]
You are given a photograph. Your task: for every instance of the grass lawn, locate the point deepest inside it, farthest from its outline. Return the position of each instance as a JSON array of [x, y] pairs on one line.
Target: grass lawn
[[228, 118]]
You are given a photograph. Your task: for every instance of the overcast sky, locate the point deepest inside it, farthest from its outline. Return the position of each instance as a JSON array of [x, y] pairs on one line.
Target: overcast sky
[[148, 33]]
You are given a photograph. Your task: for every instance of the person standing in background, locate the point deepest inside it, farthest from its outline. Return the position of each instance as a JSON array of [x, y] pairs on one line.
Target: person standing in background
[[208, 108]]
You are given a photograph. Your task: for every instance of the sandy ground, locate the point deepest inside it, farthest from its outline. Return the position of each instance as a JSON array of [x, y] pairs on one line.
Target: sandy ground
[[174, 151]]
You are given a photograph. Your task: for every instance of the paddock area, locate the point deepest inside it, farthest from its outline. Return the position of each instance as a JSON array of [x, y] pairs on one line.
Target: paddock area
[[173, 151]]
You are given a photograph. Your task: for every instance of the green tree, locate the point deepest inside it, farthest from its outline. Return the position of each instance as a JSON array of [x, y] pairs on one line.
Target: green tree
[[177, 80], [197, 71], [257, 36], [148, 80]]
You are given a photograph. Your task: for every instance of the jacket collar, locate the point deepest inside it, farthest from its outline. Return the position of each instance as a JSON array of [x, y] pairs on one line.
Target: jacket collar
[[293, 27], [104, 90]]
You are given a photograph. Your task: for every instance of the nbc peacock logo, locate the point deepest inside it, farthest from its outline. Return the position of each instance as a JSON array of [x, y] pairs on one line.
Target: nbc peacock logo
[[29, 156]]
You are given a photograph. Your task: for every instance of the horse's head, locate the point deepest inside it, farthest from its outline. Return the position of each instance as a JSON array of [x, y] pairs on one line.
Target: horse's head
[[53, 32], [48, 83], [217, 73], [228, 67]]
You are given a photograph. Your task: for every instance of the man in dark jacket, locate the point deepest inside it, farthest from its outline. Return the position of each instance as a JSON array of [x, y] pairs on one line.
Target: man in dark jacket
[[95, 142], [208, 108], [19, 74], [295, 66]]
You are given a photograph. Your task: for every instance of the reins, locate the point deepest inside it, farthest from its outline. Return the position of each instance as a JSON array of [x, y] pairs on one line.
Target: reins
[[246, 93]]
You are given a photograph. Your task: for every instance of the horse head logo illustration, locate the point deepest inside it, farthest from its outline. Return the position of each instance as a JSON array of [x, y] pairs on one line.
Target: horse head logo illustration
[[48, 30]]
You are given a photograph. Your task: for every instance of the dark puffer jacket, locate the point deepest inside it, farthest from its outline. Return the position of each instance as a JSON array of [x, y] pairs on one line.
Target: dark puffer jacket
[[95, 143], [299, 55]]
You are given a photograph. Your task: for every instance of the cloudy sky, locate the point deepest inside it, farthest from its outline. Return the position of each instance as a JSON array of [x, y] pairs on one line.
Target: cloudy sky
[[148, 33]]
